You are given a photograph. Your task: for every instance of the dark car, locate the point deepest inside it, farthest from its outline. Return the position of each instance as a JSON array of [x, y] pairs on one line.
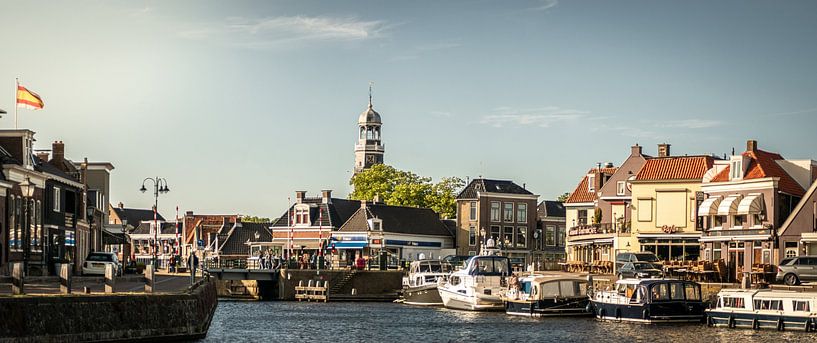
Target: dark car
[[644, 256], [639, 270], [792, 270]]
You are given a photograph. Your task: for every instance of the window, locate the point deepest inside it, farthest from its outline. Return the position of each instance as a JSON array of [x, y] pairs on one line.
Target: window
[[736, 169], [495, 211], [522, 213], [591, 183], [472, 236], [718, 221], [621, 187], [32, 225], [550, 236], [521, 236], [509, 212], [56, 199], [660, 292], [800, 305], [302, 215], [739, 220], [495, 234], [774, 305], [732, 302], [677, 291], [18, 219], [12, 233], [507, 237], [791, 249], [560, 237], [582, 218], [692, 292], [473, 212]]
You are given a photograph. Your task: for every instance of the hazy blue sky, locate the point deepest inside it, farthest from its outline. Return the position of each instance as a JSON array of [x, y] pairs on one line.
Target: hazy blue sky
[[239, 104]]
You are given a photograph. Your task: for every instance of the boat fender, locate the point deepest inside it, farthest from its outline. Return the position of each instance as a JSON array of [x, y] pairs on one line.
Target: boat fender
[[731, 322], [645, 314], [618, 314], [755, 324], [780, 325], [807, 327], [589, 308], [710, 321], [601, 313]]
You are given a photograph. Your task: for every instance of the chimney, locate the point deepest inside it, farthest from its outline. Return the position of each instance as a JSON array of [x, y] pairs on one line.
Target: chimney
[[663, 150], [598, 180], [609, 165], [751, 145], [120, 205], [188, 213], [363, 204], [58, 152], [326, 196], [376, 199], [635, 150], [299, 196], [43, 156]]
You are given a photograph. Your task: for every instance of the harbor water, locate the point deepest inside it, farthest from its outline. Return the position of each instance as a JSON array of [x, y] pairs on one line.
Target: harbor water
[[245, 321]]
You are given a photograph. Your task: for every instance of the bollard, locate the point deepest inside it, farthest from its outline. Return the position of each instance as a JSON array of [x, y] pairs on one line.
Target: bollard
[[354, 291], [18, 279], [110, 276], [149, 278], [86, 289], [65, 278]]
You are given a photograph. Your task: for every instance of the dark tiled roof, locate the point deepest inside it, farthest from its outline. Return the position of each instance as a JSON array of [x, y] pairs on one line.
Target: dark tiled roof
[[675, 168], [763, 164], [550, 208], [339, 211], [236, 241], [48, 168], [493, 186], [582, 193], [398, 219], [136, 215], [144, 228]]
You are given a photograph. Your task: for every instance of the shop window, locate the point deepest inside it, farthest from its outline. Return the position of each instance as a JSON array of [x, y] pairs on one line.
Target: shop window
[[495, 211]]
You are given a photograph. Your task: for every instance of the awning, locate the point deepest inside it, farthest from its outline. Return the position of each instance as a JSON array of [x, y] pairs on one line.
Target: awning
[[709, 207], [350, 244], [751, 204], [729, 205]]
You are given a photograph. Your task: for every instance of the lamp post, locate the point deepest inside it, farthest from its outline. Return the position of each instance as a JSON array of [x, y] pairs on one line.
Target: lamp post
[[124, 240], [484, 241], [27, 190], [159, 186]]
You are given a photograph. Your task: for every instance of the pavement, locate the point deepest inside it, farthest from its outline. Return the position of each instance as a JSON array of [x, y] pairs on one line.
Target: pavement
[[165, 283]]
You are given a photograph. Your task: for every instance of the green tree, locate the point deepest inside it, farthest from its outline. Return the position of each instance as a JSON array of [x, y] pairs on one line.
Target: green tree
[[403, 188], [563, 197], [254, 219]]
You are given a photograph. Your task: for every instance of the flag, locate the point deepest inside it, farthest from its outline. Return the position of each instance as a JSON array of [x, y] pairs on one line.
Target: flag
[[28, 99]]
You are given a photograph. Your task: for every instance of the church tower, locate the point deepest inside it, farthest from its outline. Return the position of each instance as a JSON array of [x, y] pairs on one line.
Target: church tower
[[369, 149]]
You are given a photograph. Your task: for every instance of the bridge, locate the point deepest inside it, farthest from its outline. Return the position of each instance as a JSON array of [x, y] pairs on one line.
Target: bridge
[[244, 274]]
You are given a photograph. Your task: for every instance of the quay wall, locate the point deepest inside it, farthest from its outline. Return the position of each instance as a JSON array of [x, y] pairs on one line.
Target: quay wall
[[371, 282], [116, 317]]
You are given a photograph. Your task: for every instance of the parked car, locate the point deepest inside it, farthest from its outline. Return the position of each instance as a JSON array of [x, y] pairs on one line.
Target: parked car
[[644, 256], [639, 270], [793, 270], [96, 261]]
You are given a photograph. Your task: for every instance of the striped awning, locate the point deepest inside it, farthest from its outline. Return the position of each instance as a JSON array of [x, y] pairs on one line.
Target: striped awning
[[709, 207], [751, 204], [729, 205]]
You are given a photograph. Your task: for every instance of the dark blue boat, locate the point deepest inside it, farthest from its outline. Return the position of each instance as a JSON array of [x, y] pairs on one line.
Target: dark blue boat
[[650, 301]]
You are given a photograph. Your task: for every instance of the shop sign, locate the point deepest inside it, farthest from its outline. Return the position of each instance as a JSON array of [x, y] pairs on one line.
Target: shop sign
[[669, 229], [589, 230]]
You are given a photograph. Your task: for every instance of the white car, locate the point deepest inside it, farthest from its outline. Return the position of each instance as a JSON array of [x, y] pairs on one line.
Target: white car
[[96, 261]]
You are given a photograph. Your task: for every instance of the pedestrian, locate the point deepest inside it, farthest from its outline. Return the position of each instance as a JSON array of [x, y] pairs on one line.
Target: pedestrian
[[262, 260]]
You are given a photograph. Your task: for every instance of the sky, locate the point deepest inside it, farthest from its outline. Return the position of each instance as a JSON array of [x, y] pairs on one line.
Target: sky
[[238, 104]]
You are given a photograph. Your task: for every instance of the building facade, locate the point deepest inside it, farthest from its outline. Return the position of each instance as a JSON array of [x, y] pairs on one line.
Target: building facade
[[549, 237], [496, 217], [747, 200]]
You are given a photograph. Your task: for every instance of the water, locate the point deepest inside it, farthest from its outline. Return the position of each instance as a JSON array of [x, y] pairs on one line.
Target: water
[[237, 321]]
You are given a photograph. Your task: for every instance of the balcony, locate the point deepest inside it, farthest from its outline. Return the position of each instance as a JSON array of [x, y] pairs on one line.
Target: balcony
[[370, 146]]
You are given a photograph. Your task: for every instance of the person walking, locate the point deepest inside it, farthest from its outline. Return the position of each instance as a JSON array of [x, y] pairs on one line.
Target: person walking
[[192, 264]]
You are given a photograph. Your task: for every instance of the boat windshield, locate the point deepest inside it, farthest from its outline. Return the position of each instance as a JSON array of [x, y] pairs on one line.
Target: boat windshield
[[434, 267], [490, 266], [525, 286], [562, 288]]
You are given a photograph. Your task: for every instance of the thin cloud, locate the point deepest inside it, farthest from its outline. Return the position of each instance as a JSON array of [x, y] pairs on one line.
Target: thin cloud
[[690, 124], [783, 114], [541, 117], [545, 5], [277, 31], [441, 113]]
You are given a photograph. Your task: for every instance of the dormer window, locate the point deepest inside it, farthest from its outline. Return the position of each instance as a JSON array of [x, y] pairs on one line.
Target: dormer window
[[376, 224], [736, 169], [301, 215], [591, 183]]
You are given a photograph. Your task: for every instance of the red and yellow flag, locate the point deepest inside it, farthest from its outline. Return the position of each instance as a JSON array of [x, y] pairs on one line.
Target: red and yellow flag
[[28, 99]]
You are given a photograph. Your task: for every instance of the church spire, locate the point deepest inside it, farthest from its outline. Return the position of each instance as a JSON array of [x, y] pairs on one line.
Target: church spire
[[370, 93]]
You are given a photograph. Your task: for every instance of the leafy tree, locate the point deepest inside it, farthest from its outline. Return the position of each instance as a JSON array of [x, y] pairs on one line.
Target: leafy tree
[[563, 197], [254, 219], [403, 188]]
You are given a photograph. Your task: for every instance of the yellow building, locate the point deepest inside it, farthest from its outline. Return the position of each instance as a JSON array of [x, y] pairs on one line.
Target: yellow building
[[666, 193]]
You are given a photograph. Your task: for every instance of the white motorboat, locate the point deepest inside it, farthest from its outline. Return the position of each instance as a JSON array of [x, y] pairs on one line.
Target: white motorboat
[[420, 286], [477, 287]]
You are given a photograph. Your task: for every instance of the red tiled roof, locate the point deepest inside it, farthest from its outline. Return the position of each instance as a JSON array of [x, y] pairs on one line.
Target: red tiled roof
[[761, 165], [581, 193], [675, 168]]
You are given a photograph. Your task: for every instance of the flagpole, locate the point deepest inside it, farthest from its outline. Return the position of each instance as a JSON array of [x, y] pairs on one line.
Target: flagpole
[[16, 87]]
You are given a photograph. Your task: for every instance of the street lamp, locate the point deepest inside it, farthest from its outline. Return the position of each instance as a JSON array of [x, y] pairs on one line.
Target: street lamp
[[159, 186], [124, 240], [27, 190], [484, 241]]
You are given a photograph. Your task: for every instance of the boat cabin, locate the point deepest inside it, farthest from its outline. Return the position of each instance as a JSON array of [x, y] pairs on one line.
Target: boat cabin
[[489, 266], [427, 271], [640, 291], [551, 287]]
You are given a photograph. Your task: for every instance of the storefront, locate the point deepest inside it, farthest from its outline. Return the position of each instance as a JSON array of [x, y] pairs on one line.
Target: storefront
[[672, 247]]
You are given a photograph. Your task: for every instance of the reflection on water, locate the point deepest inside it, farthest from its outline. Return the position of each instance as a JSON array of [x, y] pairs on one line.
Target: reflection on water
[[236, 321]]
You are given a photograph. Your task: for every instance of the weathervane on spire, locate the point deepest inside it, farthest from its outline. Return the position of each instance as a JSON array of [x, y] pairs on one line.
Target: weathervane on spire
[[370, 93]]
